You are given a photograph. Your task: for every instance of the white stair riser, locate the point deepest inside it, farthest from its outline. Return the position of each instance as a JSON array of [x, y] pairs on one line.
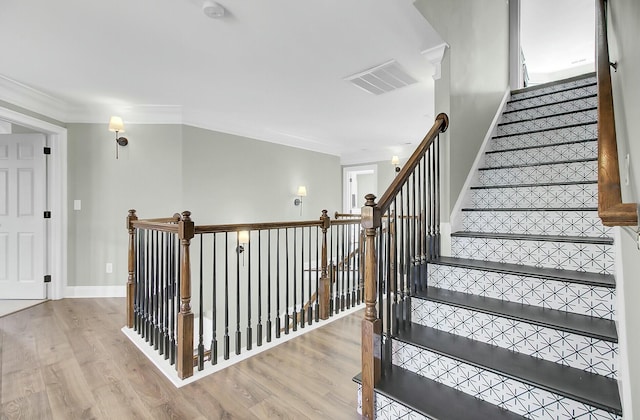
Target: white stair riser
[[539, 174], [486, 385], [593, 258], [546, 123], [547, 137], [535, 197], [551, 109], [553, 88], [576, 298], [388, 409], [552, 98], [558, 223], [589, 354], [561, 153]]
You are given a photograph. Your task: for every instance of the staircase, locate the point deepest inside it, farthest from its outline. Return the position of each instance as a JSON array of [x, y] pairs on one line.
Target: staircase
[[520, 321]]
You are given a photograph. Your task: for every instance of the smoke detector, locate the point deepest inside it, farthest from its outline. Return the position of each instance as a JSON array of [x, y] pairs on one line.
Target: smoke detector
[[212, 9]]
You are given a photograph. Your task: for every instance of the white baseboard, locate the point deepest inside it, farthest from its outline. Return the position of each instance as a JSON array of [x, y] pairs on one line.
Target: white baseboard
[[95, 291]]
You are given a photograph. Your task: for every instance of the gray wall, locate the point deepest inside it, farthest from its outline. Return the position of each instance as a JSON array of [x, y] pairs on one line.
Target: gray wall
[[475, 76], [624, 16], [165, 169]]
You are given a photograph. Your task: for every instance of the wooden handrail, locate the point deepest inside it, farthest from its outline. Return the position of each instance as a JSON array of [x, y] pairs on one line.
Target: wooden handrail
[[611, 209], [440, 126]]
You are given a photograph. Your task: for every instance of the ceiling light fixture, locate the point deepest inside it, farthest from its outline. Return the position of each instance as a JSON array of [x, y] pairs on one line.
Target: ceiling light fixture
[[212, 9]]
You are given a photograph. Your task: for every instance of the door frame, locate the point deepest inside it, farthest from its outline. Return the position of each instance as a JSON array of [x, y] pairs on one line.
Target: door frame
[[348, 170], [56, 139]]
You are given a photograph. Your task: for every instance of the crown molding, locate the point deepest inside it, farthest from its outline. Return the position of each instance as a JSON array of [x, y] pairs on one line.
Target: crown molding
[[132, 114], [32, 99], [435, 56]]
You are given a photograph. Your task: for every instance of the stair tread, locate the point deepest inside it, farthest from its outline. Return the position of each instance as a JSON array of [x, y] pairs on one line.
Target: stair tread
[[546, 238], [595, 390], [556, 82], [597, 328], [581, 277], [540, 146], [435, 400], [529, 165], [540, 130], [533, 184], [562, 101], [559, 114], [525, 209]]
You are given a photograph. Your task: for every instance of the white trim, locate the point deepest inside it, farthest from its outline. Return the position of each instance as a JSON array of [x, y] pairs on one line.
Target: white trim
[[624, 379], [32, 99], [96, 291], [132, 114], [435, 55], [170, 372], [457, 209], [345, 184], [57, 178]]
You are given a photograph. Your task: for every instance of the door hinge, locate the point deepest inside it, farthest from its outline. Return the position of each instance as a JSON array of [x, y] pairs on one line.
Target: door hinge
[[47, 278], [47, 215], [47, 150]]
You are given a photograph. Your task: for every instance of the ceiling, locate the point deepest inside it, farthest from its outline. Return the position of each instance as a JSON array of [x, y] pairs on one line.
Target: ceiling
[[272, 70]]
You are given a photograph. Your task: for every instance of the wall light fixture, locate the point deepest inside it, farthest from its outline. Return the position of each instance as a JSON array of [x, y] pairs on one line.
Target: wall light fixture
[[302, 192], [116, 124]]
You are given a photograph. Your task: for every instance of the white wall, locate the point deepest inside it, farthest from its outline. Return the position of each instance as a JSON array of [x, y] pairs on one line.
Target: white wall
[[475, 75], [624, 32], [166, 169]]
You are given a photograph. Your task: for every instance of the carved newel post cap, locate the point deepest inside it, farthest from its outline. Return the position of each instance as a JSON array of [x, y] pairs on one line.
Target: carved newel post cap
[[324, 213], [132, 212], [371, 200], [186, 215]]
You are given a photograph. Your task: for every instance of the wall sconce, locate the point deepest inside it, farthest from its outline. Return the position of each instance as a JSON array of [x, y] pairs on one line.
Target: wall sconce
[[302, 192], [395, 161], [116, 124], [243, 239]]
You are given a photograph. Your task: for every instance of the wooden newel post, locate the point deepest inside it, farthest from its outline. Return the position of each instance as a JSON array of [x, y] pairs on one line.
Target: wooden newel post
[[371, 325], [131, 287], [184, 363], [324, 294]]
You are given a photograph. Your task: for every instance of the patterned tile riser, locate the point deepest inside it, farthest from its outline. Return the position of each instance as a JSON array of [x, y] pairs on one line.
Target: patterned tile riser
[[589, 354], [592, 258], [561, 153], [560, 223], [552, 98], [561, 172], [388, 409], [536, 197], [555, 121], [551, 109], [547, 137], [510, 394], [554, 88], [580, 299]]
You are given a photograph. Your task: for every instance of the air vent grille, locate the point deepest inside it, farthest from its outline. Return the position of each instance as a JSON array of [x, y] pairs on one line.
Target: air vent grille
[[382, 79]]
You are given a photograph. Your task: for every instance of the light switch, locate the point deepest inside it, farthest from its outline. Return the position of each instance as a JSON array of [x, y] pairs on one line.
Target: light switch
[[77, 205]]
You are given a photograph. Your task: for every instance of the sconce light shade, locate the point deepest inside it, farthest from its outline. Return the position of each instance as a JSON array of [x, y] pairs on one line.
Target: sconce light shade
[[302, 191], [116, 124], [395, 160], [243, 236]]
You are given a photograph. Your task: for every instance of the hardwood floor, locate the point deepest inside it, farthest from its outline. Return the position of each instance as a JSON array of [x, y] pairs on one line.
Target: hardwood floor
[[68, 359]]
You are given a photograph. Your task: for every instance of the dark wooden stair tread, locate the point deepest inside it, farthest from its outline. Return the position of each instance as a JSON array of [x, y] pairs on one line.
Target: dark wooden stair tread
[[580, 277], [595, 390], [526, 237], [435, 400], [597, 328]]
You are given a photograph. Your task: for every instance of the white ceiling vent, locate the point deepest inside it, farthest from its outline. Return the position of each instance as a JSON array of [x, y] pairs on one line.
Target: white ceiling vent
[[382, 79]]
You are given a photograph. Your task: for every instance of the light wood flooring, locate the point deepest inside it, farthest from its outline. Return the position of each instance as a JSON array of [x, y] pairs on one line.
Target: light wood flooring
[[68, 359]]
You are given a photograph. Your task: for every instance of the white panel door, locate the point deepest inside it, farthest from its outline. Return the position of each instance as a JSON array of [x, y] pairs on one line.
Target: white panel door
[[22, 223]]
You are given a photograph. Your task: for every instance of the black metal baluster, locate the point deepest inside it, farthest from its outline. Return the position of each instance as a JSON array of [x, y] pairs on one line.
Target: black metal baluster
[[294, 315], [278, 285], [173, 294], [146, 305], [161, 295], [347, 266], [343, 271], [286, 252], [302, 320], [310, 306], [214, 312], [437, 199], [156, 303], [201, 308], [389, 287], [337, 270], [249, 330], [259, 332], [318, 270], [238, 335], [331, 272], [138, 285], [431, 203], [269, 329], [226, 296]]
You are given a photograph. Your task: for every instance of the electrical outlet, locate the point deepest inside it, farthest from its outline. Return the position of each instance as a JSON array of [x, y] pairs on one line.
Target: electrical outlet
[[109, 268]]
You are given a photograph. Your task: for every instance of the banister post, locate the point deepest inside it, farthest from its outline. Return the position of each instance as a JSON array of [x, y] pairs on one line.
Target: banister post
[[371, 325], [131, 287], [184, 364], [324, 294]]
